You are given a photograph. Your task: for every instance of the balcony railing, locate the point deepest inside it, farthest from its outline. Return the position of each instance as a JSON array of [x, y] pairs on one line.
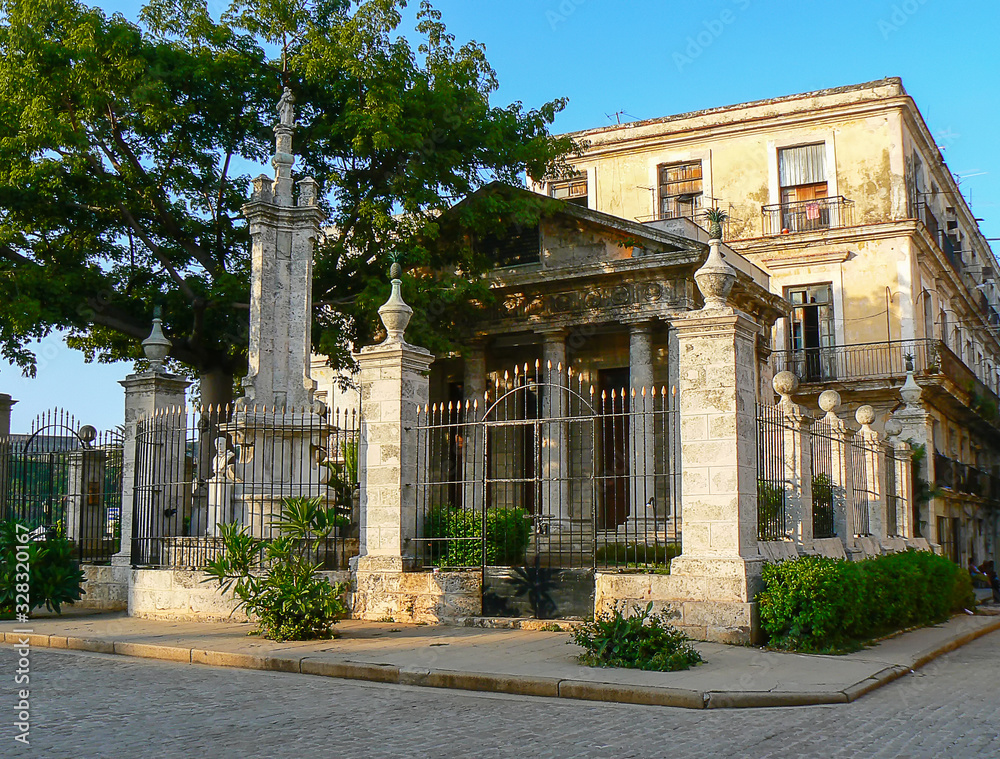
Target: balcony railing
[[961, 478], [889, 360], [860, 361], [808, 215]]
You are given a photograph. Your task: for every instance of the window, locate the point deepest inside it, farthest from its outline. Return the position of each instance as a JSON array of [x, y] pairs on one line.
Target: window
[[811, 334], [802, 180], [572, 190], [517, 247], [680, 189]]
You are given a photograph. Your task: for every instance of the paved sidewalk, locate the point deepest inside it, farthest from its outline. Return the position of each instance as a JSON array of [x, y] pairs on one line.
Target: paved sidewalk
[[526, 662]]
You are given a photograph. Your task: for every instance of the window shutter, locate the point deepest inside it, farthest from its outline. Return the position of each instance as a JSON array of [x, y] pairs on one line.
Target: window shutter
[[805, 164]]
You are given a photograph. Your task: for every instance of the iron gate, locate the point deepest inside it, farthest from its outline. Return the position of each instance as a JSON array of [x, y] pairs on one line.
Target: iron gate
[[546, 480], [65, 479]]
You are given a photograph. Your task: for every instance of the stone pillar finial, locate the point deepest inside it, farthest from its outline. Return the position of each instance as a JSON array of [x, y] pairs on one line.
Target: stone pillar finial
[[864, 416], [156, 346], [785, 384], [910, 392], [829, 401], [893, 429], [394, 313], [715, 278]]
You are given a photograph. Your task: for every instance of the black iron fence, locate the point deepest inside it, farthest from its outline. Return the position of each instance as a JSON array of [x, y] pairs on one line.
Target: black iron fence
[[65, 479], [824, 479], [201, 468], [550, 471], [808, 215], [772, 485]]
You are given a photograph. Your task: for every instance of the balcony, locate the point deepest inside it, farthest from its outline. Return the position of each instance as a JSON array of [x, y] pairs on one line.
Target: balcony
[[863, 361], [808, 215], [961, 478], [933, 362]]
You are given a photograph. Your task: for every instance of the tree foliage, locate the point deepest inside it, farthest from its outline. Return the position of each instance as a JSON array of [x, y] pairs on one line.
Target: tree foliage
[[126, 153]]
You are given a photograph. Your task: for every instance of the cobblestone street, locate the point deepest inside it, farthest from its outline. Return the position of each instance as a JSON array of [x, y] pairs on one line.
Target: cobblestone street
[[87, 705]]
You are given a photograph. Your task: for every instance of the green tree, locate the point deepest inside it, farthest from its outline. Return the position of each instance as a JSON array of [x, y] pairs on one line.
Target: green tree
[[126, 149]]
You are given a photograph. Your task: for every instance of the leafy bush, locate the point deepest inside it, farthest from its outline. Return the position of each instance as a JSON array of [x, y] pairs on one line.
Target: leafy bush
[[637, 555], [55, 577], [275, 581], [816, 604], [770, 510], [458, 536], [641, 641]]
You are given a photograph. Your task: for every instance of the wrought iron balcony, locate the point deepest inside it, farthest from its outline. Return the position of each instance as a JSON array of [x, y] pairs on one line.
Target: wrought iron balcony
[[860, 361], [808, 215], [890, 361], [961, 478]]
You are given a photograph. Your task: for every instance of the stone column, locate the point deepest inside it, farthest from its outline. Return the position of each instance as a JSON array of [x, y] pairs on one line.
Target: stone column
[[841, 473], [555, 450], [474, 446], [797, 447], [145, 394], [394, 384], [874, 473], [6, 403], [641, 432], [719, 569], [918, 428]]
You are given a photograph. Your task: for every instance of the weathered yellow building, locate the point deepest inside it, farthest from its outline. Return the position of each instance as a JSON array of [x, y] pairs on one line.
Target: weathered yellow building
[[843, 197]]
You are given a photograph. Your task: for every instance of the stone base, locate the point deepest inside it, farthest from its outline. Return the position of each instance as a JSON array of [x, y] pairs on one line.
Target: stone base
[[389, 594], [180, 594], [106, 588], [734, 622]]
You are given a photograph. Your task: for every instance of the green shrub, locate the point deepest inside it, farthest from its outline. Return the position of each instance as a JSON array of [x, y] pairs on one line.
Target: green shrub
[[274, 580], [641, 641], [637, 555], [54, 575], [816, 604], [458, 536]]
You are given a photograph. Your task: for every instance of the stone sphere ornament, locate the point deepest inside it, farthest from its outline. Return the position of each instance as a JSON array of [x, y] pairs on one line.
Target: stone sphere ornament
[[829, 401], [785, 384], [87, 433], [865, 415], [893, 427]]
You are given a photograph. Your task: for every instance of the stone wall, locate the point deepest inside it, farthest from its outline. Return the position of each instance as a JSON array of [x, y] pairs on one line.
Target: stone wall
[[429, 597], [179, 594], [106, 588], [716, 621]]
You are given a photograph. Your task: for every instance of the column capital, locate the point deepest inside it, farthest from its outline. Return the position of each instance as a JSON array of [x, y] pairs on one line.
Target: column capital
[[695, 323]]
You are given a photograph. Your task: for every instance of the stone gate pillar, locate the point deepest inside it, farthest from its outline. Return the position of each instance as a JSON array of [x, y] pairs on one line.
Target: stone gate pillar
[[918, 429], [6, 449], [394, 384], [718, 572], [798, 474]]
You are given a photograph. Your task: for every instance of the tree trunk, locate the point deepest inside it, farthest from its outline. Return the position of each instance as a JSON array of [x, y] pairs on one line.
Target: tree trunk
[[217, 387]]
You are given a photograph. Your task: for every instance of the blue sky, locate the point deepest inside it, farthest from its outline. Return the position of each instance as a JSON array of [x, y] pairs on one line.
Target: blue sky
[[649, 59]]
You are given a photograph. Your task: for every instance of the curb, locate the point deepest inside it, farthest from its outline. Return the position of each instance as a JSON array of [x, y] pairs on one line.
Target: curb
[[520, 685]]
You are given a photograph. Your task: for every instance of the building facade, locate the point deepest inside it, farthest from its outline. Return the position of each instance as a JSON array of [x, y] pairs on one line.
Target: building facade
[[843, 198]]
